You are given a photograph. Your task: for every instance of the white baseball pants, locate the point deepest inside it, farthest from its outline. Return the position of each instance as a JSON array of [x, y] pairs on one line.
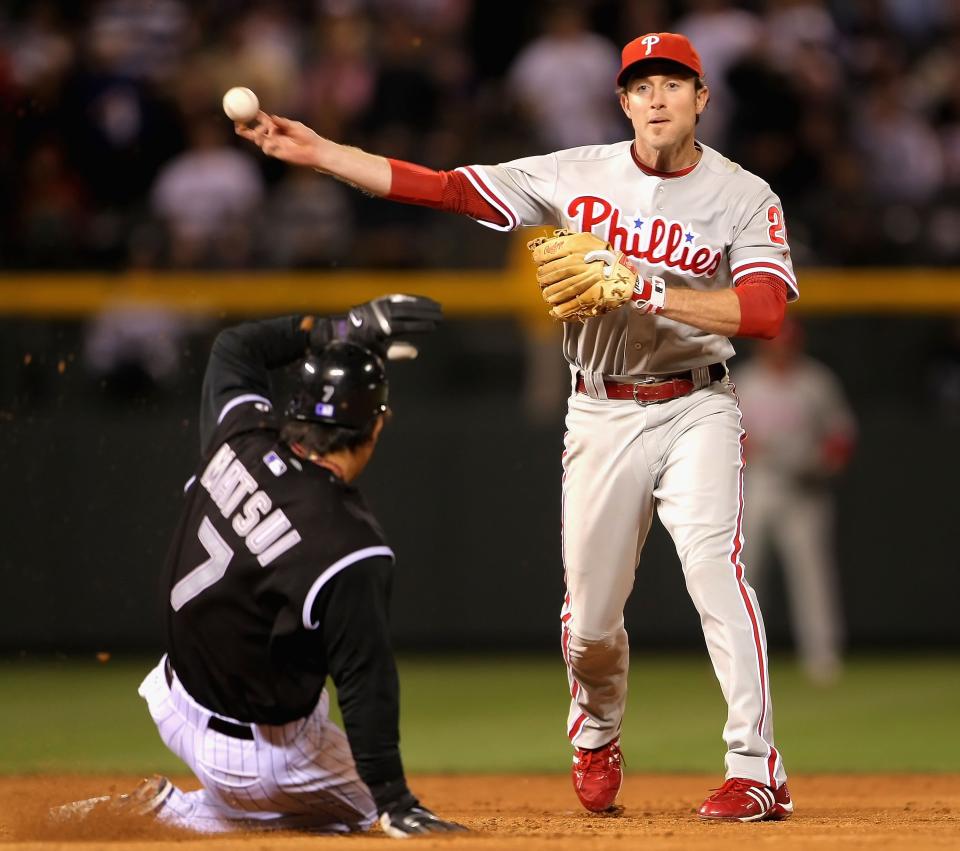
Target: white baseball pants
[[299, 775], [683, 459]]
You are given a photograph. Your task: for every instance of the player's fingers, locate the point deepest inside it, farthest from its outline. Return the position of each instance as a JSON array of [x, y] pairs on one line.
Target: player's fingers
[[568, 289], [573, 308], [569, 293], [288, 127], [568, 312], [557, 270], [558, 262], [428, 315], [256, 131], [549, 252], [418, 326], [417, 310], [256, 134], [562, 290], [570, 296]]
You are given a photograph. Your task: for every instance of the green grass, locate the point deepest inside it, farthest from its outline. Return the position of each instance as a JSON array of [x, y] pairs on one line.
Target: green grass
[[496, 714]]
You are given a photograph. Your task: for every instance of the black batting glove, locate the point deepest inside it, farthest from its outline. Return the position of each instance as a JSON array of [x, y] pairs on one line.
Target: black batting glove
[[384, 320], [408, 817]]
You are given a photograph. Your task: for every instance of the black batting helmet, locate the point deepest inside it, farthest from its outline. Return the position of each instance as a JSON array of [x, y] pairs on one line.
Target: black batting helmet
[[344, 385]]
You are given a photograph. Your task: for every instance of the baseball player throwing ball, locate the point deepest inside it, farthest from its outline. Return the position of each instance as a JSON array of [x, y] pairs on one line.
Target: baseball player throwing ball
[[667, 250], [278, 576]]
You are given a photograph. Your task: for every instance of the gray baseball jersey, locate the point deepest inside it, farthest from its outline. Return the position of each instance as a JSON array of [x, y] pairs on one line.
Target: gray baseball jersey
[[704, 230]]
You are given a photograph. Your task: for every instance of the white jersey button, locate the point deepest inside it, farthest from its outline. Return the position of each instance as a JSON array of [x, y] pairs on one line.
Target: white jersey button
[[638, 345]]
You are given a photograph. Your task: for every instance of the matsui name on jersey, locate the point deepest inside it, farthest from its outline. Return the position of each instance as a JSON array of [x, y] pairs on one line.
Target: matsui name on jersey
[[655, 240], [267, 534]]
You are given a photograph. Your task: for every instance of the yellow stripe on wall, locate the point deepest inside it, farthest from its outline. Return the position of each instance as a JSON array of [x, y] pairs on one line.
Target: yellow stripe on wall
[[511, 291]]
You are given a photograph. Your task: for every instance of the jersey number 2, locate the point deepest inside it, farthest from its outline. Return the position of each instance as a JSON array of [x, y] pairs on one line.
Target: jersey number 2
[[206, 574], [775, 233]]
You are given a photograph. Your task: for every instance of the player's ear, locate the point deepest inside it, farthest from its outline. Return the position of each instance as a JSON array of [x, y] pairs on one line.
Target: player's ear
[[703, 98], [625, 104], [378, 426]]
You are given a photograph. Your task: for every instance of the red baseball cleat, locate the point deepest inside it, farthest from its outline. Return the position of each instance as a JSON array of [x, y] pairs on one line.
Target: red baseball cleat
[[747, 800], [783, 808], [597, 776]]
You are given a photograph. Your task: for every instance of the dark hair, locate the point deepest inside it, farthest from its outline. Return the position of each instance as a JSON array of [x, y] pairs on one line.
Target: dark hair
[[324, 439]]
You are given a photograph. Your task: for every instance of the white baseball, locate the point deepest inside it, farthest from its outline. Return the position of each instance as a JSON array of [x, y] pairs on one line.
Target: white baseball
[[241, 104]]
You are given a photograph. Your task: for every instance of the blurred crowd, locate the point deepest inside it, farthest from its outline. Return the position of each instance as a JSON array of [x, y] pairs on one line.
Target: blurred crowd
[[114, 152]]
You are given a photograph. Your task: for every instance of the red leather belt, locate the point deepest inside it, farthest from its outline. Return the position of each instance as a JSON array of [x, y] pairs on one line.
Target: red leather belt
[[656, 388]]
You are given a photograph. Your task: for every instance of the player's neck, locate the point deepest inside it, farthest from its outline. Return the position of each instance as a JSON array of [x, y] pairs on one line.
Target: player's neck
[[345, 464], [674, 161]]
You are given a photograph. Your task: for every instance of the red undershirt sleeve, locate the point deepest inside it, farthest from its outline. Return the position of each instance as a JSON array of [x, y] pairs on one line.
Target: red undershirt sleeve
[[441, 190], [763, 303]]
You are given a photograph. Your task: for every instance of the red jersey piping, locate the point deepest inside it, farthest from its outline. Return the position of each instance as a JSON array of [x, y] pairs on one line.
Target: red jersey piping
[[652, 172]]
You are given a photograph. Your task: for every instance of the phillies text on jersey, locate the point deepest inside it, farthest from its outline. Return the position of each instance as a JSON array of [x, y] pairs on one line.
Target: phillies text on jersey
[[703, 230]]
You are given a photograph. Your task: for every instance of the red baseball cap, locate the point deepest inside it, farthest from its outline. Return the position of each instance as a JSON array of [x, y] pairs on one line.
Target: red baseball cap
[[672, 46]]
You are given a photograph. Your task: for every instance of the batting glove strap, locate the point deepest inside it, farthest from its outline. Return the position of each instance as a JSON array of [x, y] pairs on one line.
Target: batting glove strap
[[649, 294]]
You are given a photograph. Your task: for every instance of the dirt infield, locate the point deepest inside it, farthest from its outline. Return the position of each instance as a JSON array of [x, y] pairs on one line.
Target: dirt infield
[[540, 812]]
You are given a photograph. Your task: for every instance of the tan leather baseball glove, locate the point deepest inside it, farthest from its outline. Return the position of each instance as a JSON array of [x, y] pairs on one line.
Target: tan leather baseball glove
[[580, 275]]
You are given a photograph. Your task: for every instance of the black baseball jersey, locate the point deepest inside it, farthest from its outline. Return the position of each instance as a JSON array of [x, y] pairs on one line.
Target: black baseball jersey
[[278, 574]]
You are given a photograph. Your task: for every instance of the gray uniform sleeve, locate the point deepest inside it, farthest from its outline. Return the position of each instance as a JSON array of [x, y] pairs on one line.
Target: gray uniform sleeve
[[521, 189], [761, 244]]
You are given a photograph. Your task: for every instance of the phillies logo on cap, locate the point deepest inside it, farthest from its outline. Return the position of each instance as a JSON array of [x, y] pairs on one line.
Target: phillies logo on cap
[[650, 41], [672, 47]]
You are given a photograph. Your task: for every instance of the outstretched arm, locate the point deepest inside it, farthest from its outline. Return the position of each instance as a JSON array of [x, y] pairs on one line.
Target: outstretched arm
[[295, 143], [240, 361], [243, 355]]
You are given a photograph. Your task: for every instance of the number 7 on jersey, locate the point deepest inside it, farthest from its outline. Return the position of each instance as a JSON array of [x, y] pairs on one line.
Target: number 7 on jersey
[[206, 574]]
